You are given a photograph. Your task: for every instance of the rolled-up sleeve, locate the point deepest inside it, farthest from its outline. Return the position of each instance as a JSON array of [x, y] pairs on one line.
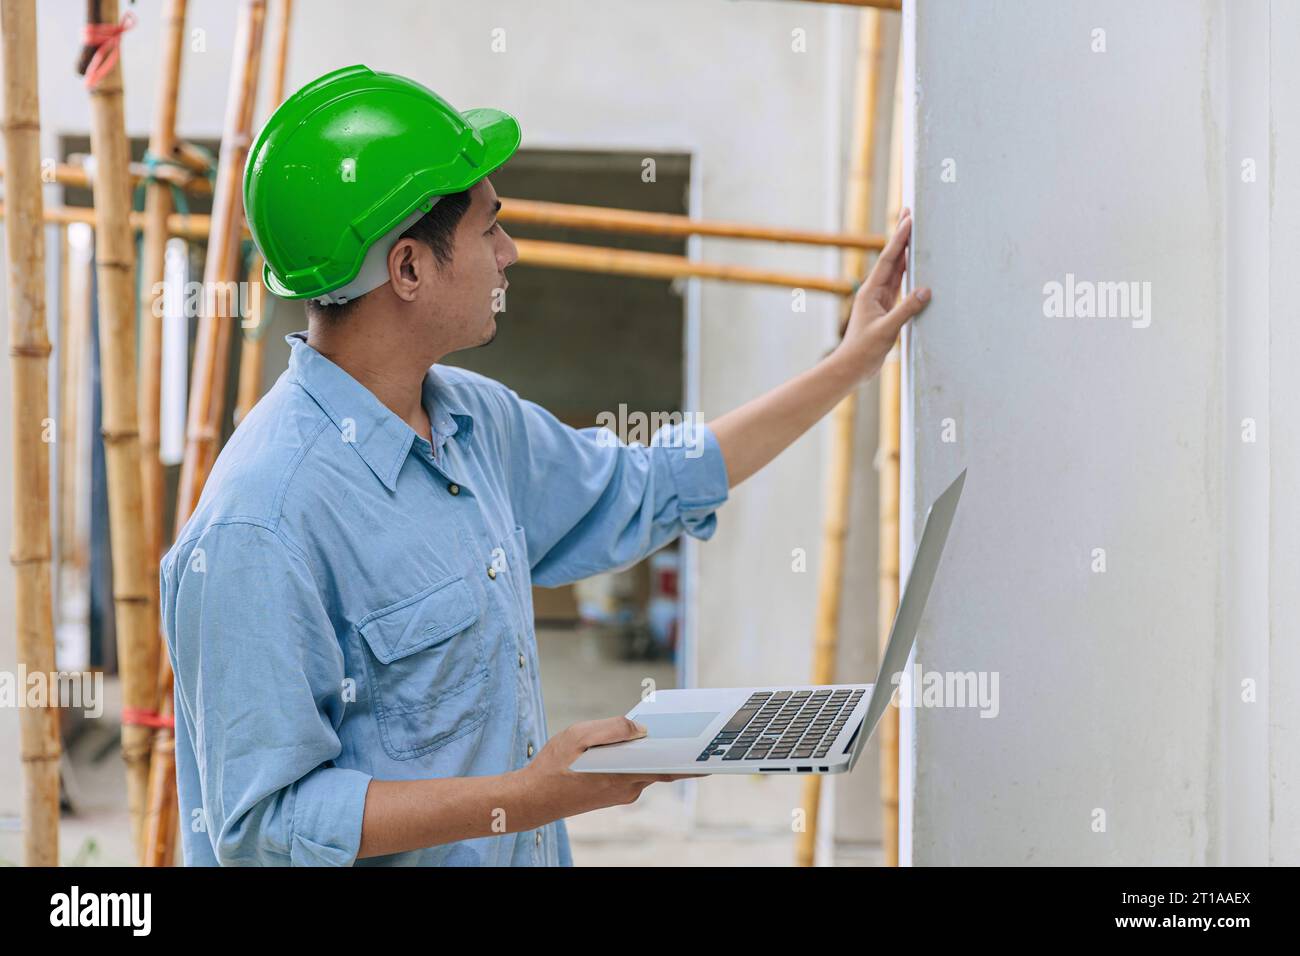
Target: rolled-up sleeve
[[589, 503], [260, 677]]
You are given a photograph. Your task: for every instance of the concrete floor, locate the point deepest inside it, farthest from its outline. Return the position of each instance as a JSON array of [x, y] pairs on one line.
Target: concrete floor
[[583, 679]]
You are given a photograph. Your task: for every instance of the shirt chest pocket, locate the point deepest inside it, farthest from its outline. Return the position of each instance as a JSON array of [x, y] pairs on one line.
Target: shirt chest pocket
[[427, 664]]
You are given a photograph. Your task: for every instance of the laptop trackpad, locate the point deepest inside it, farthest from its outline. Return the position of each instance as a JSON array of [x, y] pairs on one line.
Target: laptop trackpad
[[676, 725]]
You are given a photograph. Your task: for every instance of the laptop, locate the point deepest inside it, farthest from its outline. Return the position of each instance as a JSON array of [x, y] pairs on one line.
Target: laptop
[[803, 729]]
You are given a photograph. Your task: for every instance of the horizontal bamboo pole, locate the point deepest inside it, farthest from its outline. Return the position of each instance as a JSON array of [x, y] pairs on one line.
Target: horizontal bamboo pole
[[602, 219], [567, 215], [554, 255], [185, 225], [654, 265], [878, 4], [71, 174], [191, 157]]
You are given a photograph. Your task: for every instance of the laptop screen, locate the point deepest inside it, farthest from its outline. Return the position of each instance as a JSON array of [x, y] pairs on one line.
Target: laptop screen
[[908, 617]]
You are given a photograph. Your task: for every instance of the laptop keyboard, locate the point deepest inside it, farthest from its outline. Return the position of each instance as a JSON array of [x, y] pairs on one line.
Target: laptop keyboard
[[783, 724]]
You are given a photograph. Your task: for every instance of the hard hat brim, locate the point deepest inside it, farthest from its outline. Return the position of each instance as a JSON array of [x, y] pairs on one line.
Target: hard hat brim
[[501, 137]]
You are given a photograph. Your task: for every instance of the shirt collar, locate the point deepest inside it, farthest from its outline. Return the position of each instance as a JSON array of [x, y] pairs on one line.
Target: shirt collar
[[381, 438]]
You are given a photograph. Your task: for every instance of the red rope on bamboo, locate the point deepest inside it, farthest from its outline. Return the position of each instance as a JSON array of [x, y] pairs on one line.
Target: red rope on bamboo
[[141, 717], [106, 38]]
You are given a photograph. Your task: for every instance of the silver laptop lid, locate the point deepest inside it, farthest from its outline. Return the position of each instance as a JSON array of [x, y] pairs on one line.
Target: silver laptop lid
[[908, 618]]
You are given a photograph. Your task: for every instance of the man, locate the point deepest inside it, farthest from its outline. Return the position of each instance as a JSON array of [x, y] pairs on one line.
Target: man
[[348, 611]]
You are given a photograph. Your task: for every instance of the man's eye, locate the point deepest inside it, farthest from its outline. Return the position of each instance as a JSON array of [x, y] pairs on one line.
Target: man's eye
[[492, 228]]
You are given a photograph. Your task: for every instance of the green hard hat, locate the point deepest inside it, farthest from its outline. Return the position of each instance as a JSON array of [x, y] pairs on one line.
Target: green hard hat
[[346, 160]]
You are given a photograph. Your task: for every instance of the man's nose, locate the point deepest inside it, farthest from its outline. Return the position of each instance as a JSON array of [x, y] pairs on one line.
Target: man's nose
[[508, 255]]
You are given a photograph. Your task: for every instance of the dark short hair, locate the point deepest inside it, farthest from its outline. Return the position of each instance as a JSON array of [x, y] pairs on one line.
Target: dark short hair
[[436, 229]]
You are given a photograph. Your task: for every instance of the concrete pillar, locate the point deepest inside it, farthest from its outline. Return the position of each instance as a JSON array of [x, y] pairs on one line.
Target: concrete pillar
[[1124, 557], [1283, 686]]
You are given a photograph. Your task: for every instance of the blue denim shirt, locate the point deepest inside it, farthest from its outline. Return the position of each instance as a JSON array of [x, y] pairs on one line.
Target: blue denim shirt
[[349, 602]]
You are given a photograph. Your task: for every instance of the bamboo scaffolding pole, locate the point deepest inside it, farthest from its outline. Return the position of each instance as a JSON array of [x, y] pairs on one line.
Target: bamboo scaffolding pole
[[207, 397], [654, 265], [75, 445], [252, 347], [878, 4], [208, 382], [72, 174], [602, 219], [888, 462], [29, 359], [565, 215], [134, 592], [871, 34], [554, 255], [72, 340], [192, 158], [185, 225], [208, 394], [158, 206]]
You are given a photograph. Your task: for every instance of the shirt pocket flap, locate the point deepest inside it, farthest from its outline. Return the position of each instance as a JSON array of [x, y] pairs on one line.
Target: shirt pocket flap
[[426, 618]]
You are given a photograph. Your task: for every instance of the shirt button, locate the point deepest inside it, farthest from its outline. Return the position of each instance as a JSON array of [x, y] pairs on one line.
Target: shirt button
[[530, 750], [521, 660], [538, 841], [492, 572], [454, 488]]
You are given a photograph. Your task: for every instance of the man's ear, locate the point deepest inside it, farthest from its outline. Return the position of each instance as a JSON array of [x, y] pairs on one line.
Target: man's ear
[[405, 269]]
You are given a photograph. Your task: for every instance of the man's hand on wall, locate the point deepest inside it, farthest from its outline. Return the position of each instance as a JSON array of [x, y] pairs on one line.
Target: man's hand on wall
[[878, 314]]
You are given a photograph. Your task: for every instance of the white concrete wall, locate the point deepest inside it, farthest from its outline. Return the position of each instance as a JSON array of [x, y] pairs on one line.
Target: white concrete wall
[[766, 127], [1283, 689], [1120, 691], [1243, 743]]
